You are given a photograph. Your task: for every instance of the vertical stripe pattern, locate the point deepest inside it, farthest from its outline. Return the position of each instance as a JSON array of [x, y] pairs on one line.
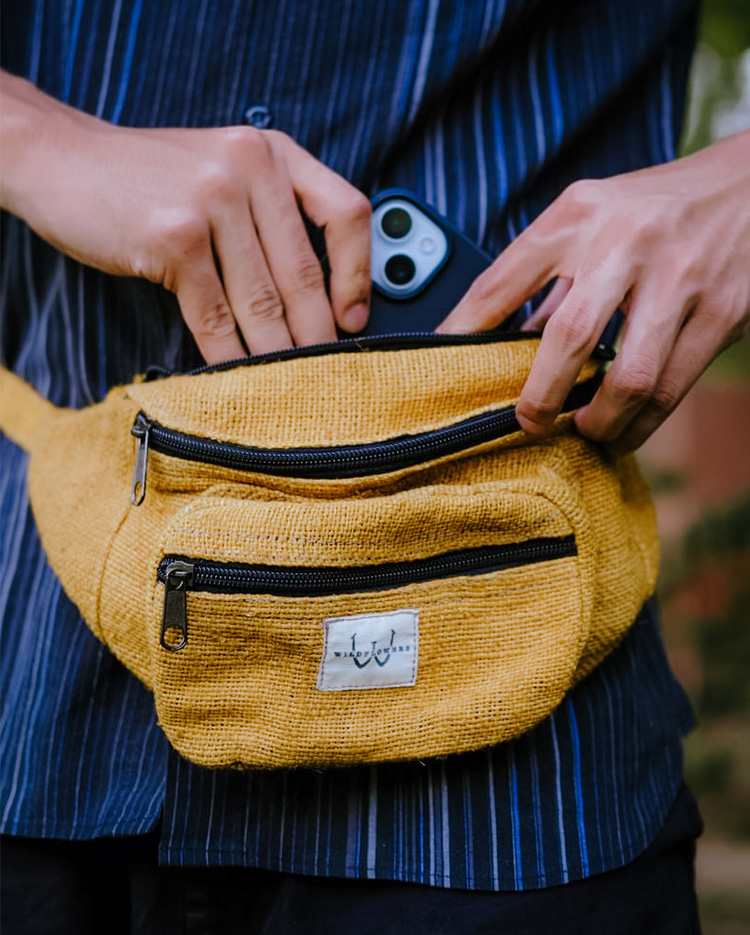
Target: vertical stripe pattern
[[488, 110]]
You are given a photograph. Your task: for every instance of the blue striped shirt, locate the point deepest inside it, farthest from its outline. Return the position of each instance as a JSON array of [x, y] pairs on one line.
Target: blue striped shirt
[[487, 110]]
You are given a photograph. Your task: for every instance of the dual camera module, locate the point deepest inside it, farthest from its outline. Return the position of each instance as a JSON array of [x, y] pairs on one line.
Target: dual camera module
[[400, 268], [408, 247]]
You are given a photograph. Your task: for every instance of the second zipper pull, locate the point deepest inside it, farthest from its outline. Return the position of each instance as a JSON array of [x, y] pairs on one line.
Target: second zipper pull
[[178, 577]]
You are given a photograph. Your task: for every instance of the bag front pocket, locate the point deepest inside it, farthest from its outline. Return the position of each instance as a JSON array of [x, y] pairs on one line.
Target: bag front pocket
[[309, 633]]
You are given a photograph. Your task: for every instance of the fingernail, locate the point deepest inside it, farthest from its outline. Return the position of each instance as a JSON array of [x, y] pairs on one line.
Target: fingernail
[[355, 318]]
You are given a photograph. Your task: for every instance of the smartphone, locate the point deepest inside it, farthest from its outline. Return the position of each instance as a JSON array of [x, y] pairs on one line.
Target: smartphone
[[421, 265]]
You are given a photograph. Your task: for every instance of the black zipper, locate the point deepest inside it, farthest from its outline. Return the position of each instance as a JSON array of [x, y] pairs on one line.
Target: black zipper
[[336, 461], [388, 342], [180, 573]]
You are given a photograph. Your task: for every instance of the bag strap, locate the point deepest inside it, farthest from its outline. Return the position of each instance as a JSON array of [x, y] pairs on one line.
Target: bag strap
[[22, 409]]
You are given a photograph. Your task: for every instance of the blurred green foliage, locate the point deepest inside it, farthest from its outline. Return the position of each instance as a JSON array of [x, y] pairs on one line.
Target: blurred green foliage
[[724, 645], [718, 533], [725, 26], [734, 363], [719, 94], [717, 754], [709, 769]]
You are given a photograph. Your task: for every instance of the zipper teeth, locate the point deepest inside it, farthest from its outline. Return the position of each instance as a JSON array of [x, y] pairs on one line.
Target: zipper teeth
[[372, 342], [391, 342], [346, 460], [353, 460], [306, 582]]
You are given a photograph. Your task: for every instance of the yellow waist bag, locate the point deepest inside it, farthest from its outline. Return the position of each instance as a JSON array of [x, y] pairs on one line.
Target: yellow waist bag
[[340, 555]]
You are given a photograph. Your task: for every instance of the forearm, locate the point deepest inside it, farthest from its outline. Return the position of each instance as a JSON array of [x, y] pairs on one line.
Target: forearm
[[34, 129]]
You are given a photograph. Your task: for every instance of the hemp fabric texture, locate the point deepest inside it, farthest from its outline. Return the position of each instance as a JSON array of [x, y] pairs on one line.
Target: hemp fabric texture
[[497, 648]]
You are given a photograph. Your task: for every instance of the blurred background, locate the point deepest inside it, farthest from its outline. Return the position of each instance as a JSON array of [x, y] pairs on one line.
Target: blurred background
[[699, 467]]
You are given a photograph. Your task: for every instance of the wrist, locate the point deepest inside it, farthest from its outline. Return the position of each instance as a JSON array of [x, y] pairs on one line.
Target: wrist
[[35, 130], [723, 165]]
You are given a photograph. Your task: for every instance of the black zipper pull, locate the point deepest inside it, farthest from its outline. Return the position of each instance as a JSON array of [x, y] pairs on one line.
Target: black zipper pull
[[141, 429], [178, 577]]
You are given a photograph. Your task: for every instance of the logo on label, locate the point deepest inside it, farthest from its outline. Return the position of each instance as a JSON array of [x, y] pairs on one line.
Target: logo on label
[[361, 659], [351, 644]]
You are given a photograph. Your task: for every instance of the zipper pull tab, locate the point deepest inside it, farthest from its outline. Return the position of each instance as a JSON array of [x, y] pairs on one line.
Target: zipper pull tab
[[178, 577], [141, 429]]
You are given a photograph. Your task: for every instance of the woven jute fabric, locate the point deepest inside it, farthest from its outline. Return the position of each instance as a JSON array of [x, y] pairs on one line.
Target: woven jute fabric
[[496, 651]]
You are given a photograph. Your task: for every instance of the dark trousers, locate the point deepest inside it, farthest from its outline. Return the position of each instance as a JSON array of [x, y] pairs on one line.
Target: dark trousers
[[115, 887]]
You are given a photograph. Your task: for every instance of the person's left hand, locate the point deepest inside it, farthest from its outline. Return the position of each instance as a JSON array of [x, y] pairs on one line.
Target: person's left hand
[[670, 245]]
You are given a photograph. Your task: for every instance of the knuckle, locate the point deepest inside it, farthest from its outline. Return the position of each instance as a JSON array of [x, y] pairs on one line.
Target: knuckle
[[359, 273], [353, 207], [666, 395], [183, 233], [216, 321], [581, 193], [537, 409], [265, 304], [648, 229], [636, 383], [217, 184], [306, 275], [572, 330], [247, 143], [277, 139]]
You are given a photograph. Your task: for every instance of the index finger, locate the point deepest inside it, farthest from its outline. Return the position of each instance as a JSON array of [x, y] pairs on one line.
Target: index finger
[[344, 214], [527, 264], [571, 334]]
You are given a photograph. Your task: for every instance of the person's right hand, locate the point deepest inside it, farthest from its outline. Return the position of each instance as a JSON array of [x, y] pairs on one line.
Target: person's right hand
[[211, 214]]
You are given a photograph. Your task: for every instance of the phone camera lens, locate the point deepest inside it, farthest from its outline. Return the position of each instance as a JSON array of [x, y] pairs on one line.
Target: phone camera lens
[[400, 269], [396, 223]]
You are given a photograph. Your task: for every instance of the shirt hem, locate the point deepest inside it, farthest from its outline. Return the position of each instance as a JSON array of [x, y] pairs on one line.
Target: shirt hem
[[73, 831], [236, 857]]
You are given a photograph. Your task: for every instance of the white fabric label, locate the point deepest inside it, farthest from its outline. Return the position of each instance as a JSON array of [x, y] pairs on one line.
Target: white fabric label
[[369, 651]]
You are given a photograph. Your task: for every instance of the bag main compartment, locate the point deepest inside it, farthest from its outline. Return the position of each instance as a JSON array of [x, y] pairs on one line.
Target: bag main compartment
[[477, 492]]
